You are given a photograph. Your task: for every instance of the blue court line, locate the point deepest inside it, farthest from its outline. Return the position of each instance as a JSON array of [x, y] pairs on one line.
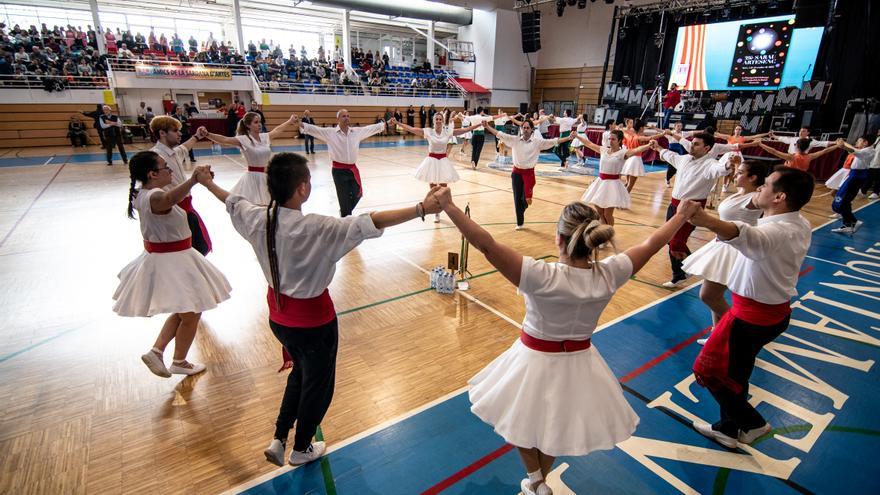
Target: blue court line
[[424, 449]]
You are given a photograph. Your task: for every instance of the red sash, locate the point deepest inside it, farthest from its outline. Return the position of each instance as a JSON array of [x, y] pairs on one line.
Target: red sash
[[354, 170], [711, 367], [256, 169], [679, 240], [168, 247], [438, 156], [609, 176], [528, 177], [187, 205], [301, 313], [541, 345]]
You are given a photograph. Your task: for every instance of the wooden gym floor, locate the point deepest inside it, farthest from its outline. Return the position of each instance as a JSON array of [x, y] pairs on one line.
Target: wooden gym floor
[[81, 413]]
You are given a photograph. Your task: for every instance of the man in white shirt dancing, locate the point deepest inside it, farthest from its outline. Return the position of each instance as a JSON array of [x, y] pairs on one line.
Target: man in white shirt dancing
[[762, 282], [342, 144]]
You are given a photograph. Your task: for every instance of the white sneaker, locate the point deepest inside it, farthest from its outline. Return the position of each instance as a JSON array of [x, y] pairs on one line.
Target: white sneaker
[[437, 218], [857, 226], [275, 452], [314, 452], [155, 364], [837, 215], [187, 368], [518, 227], [674, 284], [873, 196], [544, 489], [707, 431], [750, 436], [702, 341], [843, 230]]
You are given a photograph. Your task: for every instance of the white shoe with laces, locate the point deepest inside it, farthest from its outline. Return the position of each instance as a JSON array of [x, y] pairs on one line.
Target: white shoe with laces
[[843, 230], [155, 364], [857, 226], [518, 227], [674, 284], [314, 452], [186, 368], [437, 218], [750, 436], [706, 430], [275, 452], [873, 196]]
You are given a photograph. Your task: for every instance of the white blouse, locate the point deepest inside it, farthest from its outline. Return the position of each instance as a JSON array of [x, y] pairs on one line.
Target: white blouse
[[168, 227], [564, 302], [308, 246], [612, 163], [735, 209], [437, 142], [256, 153]]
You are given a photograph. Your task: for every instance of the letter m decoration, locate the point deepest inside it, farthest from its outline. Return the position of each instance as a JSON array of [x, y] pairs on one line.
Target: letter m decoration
[[813, 90], [787, 97], [723, 109], [750, 125], [763, 103], [742, 107], [610, 91]]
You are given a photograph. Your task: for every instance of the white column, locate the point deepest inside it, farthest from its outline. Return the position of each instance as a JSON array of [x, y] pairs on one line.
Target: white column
[[346, 39], [430, 43], [96, 22], [236, 18]]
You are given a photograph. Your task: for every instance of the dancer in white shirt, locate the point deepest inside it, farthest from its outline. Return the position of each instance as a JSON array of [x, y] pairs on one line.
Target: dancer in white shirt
[[551, 393], [342, 145], [697, 173], [176, 156], [792, 141], [169, 276], [526, 148], [858, 176], [298, 255], [715, 259], [566, 123], [762, 282], [436, 169], [607, 192], [256, 148]]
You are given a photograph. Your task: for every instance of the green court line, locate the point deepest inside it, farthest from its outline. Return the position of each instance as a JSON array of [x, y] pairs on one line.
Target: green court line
[[326, 471], [723, 474]]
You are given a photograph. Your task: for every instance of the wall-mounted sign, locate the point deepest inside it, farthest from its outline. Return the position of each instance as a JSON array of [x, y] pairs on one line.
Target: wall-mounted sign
[[182, 72]]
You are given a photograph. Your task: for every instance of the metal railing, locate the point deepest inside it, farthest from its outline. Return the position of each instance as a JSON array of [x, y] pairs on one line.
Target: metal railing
[[357, 90], [53, 83], [129, 64]]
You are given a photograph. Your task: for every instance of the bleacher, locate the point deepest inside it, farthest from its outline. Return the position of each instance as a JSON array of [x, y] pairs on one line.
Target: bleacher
[[25, 125]]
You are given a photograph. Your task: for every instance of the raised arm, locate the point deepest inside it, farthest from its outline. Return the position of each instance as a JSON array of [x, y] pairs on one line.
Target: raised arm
[[201, 133], [220, 139], [843, 144], [163, 201], [276, 132], [586, 141], [207, 180], [463, 130], [775, 152], [639, 150], [389, 218], [750, 144], [407, 128], [505, 259], [489, 128], [641, 253], [823, 151], [724, 230], [719, 135]]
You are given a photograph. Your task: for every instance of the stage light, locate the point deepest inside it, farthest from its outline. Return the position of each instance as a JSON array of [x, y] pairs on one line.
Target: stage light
[[725, 12], [582, 4], [752, 9], [707, 13], [560, 7]]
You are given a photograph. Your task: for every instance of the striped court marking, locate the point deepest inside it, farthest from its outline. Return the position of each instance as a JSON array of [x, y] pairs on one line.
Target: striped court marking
[[468, 470]]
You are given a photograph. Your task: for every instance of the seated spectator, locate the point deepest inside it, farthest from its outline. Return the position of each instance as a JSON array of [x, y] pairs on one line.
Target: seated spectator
[[76, 132], [125, 53]]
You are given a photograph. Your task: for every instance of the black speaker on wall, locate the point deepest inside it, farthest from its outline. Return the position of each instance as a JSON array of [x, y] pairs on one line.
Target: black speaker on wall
[[530, 25], [811, 13], [523, 108]]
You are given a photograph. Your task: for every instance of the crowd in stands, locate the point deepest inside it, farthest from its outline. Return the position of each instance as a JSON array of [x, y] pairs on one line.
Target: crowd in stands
[[65, 54], [72, 52]]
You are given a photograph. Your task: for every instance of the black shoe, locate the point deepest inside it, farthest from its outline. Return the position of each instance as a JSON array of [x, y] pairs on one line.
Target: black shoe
[[109, 164]]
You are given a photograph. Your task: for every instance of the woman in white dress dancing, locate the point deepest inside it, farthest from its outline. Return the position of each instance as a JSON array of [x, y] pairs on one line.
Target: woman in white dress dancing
[[714, 260], [255, 147], [607, 192], [551, 393]]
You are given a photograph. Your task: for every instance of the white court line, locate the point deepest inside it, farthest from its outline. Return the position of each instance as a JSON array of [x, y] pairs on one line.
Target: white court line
[[49, 160], [391, 422], [827, 261], [234, 161]]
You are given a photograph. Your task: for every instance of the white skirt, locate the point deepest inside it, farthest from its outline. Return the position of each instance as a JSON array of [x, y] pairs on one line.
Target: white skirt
[[179, 282], [633, 166], [560, 403], [713, 261], [466, 136], [253, 187], [453, 140], [434, 171], [835, 181], [607, 193]]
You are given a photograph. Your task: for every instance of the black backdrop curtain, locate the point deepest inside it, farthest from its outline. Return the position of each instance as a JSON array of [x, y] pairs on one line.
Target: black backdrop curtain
[[637, 55]]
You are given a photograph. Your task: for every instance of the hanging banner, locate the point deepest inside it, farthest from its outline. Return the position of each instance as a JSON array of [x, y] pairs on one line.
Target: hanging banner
[[182, 72]]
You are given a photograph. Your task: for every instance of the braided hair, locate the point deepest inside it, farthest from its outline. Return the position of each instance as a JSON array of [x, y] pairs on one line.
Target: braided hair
[[285, 173], [139, 167]]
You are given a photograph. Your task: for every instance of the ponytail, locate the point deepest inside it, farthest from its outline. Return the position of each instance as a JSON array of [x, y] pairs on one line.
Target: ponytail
[[579, 225], [132, 193], [271, 228], [139, 168]]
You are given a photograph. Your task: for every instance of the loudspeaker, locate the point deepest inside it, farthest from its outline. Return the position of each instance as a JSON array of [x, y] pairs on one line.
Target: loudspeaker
[[530, 26], [523, 108], [811, 13]]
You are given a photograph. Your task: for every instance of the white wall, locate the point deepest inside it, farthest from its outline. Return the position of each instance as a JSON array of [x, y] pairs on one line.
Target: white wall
[[578, 38], [482, 34], [355, 101], [39, 95]]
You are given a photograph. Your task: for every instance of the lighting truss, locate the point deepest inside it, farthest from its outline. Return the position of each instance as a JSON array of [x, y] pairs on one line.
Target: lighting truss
[[683, 6]]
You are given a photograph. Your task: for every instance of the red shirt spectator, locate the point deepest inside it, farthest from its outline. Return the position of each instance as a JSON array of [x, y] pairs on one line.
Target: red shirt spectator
[[673, 97]]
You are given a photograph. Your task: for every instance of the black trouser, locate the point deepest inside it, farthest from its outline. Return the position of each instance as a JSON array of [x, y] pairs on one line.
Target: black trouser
[[677, 272], [562, 150], [846, 194], [199, 242], [347, 190], [101, 136], [78, 139], [114, 141], [184, 138], [746, 341], [477, 140], [873, 182], [310, 385], [519, 198], [309, 143]]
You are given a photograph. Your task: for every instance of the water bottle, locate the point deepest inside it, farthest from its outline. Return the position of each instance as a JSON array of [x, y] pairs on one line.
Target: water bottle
[[215, 149]]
